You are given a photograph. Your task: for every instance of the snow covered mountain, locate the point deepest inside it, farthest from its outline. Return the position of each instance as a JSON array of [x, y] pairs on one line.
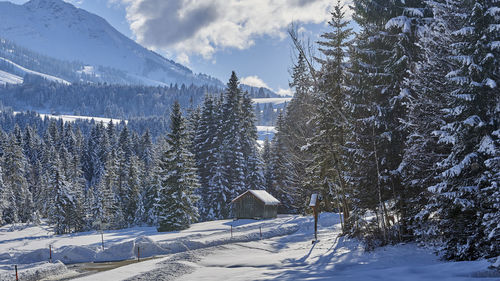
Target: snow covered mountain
[[58, 29]]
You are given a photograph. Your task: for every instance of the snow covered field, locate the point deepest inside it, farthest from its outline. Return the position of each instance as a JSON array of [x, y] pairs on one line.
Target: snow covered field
[[274, 101], [73, 118], [23, 70], [206, 251], [8, 78]]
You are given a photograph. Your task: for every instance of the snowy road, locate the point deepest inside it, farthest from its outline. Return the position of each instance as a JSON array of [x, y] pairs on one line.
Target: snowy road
[[294, 257]]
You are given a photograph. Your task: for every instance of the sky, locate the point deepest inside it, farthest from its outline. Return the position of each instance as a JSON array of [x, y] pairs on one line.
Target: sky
[[216, 37]]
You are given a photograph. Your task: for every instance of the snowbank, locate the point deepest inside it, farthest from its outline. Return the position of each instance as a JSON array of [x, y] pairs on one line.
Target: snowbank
[[34, 272], [5, 256], [117, 252], [38, 255], [75, 254]]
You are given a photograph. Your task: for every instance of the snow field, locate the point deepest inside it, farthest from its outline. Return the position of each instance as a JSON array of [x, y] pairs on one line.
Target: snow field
[[73, 118], [29, 246], [294, 257], [206, 251], [28, 71], [8, 78], [272, 100]]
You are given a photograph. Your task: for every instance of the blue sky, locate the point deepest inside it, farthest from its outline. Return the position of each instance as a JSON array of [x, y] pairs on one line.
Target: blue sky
[[217, 36]]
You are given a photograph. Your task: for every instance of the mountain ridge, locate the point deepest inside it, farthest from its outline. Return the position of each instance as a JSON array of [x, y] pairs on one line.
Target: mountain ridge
[[59, 29]]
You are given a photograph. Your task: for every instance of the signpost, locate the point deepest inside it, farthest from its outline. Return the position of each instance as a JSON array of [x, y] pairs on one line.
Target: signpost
[[314, 204]]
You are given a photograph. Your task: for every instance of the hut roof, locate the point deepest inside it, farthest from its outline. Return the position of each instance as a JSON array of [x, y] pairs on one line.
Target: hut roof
[[262, 195]]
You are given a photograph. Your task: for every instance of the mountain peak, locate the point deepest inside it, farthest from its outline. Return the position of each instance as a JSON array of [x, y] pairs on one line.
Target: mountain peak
[[60, 30], [47, 4]]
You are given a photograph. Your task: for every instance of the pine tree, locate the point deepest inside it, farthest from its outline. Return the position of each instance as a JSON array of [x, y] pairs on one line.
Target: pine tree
[[280, 166], [297, 130], [268, 166], [133, 191], [429, 89], [328, 142], [363, 139], [177, 179], [206, 143], [467, 211], [7, 199], [231, 145], [14, 165], [253, 174], [62, 204], [395, 26]]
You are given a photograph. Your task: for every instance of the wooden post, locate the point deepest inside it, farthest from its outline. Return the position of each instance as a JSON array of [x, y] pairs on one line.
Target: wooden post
[[260, 229], [50, 253], [315, 209], [102, 240], [17, 276], [138, 254]]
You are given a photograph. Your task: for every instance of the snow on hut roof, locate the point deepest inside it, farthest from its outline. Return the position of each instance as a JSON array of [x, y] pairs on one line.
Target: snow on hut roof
[[262, 195]]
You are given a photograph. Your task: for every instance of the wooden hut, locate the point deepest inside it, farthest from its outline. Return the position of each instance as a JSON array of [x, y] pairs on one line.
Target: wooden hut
[[255, 204]]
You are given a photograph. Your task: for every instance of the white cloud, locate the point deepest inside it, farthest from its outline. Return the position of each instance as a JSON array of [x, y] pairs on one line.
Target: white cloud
[[183, 58], [206, 26], [254, 81], [285, 92]]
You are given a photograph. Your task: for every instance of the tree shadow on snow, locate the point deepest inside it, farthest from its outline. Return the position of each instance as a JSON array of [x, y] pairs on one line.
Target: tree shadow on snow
[[324, 268]]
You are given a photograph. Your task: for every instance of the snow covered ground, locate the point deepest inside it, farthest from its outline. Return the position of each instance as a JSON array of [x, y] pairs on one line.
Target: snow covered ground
[[206, 251], [274, 101], [8, 78], [73, 118], [29, 245], [23, 70]]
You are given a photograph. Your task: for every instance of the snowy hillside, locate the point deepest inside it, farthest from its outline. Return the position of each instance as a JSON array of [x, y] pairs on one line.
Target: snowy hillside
[[8, 78], [207, 251], [58, 29], [21, 71]]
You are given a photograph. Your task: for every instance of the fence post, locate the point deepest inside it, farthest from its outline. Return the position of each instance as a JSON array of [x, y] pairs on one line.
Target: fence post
[[50, 253], [260, 229], [138, 254], [17, 276]]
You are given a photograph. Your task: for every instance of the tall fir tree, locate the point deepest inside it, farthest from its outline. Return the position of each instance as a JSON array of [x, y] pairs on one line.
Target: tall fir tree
[[328, 142], [280, 166], [14, 167], [465, 193], [231, 146], [177, 179], [297, 131]]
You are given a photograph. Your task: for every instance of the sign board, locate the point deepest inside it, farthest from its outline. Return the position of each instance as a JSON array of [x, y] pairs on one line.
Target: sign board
[[314, 199]]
